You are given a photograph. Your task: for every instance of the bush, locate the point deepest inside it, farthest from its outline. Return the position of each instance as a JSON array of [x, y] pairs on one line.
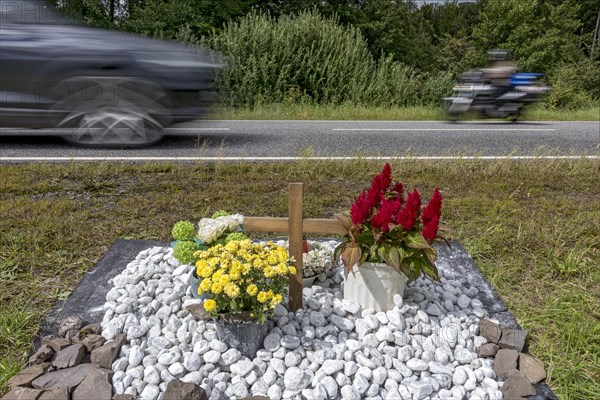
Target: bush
[[306, 59], [575, 85]]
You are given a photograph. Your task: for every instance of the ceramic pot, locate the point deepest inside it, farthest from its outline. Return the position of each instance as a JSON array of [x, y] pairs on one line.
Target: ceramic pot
[[373, 285], [307, 282], [247, 336]]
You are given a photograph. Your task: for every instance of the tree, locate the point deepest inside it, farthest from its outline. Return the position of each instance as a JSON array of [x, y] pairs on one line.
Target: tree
[[540, 35]]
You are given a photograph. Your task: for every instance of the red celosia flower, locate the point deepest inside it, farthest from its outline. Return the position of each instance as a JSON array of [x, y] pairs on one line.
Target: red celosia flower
[[385, 214], [374, 197], [433, 209], [382, 181], [431, 215], [361, 209], [409, 214], [431, 229]]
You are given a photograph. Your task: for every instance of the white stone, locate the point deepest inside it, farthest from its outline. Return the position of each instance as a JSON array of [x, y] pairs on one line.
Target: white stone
[[274, 392], [150, 392], [231, 356], [192, 362], [330, 386], [459, 377], [272, 341], [218, 346], [332, 366], [416, 364], [349, 393], [295, 379], [242, 367], [212, 356], [176, 369], [463, 301], [420, 389]]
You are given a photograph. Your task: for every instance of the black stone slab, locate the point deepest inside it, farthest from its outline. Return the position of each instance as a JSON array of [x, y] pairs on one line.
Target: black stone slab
[[89, 296]]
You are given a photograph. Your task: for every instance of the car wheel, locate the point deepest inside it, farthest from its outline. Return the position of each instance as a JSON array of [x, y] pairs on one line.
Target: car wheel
[[113, 111]]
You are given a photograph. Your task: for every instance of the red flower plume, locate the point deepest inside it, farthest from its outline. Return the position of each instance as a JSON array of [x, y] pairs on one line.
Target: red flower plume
[[386, 214], [361, 209], [409, 214], [381, 182], [431, 215]]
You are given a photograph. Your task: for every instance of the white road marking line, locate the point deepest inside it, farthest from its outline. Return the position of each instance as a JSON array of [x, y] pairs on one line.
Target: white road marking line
[[420, 158], [443, 129]]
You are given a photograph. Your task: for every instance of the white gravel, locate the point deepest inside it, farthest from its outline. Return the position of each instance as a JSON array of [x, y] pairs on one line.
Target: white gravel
[[421, 349]]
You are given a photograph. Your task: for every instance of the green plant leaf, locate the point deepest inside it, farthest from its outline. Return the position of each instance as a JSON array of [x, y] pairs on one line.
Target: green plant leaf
[[394, 258], [416, 241]]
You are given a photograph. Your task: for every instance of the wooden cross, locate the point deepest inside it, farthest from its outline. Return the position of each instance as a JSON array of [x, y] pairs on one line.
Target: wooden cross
[[296, 226]]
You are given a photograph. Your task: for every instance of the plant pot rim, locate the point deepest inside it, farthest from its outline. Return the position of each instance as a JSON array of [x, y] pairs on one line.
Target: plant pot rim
[[238, 318]]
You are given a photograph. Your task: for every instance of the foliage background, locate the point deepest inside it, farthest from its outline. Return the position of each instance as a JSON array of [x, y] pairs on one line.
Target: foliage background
[[369, 52]]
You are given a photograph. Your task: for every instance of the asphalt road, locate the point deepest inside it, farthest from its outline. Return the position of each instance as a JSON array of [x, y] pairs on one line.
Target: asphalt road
[[278, 139]]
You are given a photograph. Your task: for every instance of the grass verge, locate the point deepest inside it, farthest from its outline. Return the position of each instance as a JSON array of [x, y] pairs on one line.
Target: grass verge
[[532, 227], [318, 112]]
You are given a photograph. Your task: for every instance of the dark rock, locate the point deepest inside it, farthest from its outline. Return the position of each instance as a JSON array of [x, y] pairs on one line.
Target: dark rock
[[96, 385], [69, 357], [487, 350], [93, 341], [489, 330], [56, 343], [44, 353], [68, 377], [61, 393], [22, 393], [505, 361], [197, 310], [91, 329], [532, 368], [517, 385], [178, 390], [25, 377], [123, 397], [105, 355], [70, 326], [513, 339]]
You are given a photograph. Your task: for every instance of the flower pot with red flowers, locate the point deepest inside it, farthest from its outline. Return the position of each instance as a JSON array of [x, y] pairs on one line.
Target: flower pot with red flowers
[[388, 241]]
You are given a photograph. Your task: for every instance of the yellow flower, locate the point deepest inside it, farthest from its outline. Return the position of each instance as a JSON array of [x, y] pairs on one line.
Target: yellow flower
[[276, 300], [293, 270], [232, 246], [262, 297], [210, 305], [216, 288], [252, 290], [232, 290], [205, 285]]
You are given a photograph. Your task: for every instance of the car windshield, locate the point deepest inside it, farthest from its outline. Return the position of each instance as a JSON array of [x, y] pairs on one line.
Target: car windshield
[[32, 12]]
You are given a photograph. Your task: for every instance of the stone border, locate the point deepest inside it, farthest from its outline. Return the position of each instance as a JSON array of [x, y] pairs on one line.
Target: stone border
[[88, 298]]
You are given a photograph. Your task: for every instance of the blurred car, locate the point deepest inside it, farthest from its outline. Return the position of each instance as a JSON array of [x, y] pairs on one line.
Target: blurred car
[[100, 87]]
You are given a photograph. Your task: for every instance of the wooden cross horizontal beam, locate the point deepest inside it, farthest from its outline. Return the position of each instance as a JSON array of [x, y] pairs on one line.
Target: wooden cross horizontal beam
[[296, 226]]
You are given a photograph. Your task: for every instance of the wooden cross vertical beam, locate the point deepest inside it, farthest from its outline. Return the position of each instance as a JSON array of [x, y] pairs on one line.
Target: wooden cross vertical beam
[[295, 229]]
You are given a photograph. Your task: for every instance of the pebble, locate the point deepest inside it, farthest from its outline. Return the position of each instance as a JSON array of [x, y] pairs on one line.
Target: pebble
[[421, 348]]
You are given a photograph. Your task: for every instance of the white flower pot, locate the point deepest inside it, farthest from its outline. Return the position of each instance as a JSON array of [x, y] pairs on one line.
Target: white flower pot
[[373, 285]]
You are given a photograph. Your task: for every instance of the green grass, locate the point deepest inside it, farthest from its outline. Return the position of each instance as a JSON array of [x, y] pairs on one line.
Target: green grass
[[330, 112], [531, 226]]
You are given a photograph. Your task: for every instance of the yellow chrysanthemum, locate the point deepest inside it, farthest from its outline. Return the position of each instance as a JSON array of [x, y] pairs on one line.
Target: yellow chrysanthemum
[[232, 290], [216, 288], [205, 285], [210, 305], [232, 246], [252, 290], [293, 270], [276, 300], [262, 297]]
